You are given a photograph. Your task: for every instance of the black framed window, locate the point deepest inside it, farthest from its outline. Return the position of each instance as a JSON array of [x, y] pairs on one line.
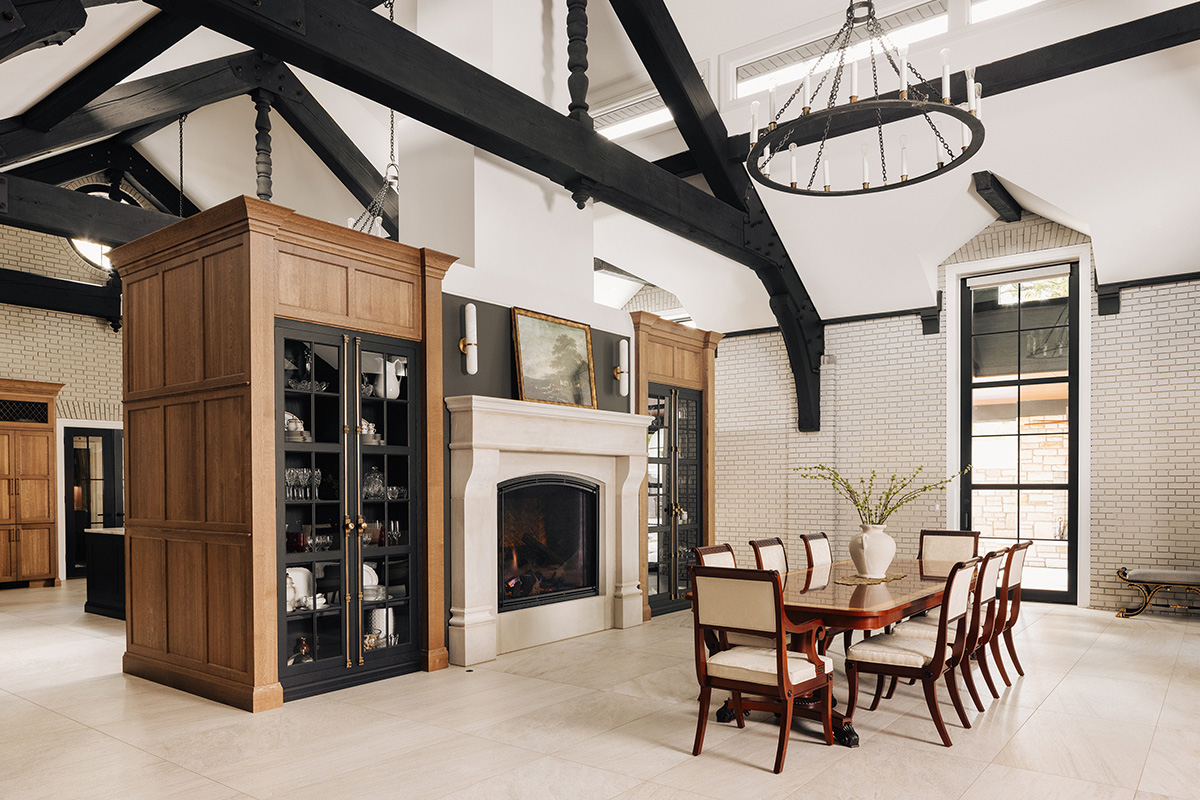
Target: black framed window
[[1020, 356]]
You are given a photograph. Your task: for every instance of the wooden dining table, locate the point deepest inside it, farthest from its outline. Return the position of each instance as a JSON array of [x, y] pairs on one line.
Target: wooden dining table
[[815, 594]]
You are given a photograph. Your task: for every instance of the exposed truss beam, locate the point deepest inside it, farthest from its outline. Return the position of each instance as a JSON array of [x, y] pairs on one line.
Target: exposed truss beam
[[1097, 49], [661, 49], [152, 184], [136, 104], [30, 290], [350, 46], [988, 187], [48, 209], [336, 150], [30, 24], [665, 56], [153, 38]]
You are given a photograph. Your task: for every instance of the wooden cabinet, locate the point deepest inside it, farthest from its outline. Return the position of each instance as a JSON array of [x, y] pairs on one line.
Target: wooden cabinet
[[204, 520], [28, 483]]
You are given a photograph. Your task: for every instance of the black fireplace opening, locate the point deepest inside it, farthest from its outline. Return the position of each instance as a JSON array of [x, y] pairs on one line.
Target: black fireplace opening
[[548, 537]]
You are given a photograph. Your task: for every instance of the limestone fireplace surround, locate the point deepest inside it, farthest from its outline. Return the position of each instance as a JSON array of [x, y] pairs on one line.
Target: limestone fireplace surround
[[493, 440]]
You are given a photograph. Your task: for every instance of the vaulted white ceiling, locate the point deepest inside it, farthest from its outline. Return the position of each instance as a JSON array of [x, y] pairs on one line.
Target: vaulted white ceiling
[[1109, 151]]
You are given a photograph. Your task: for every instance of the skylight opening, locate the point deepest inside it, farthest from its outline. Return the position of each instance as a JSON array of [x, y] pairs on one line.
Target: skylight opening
[[982, 10], [908, 27], [636, 124]]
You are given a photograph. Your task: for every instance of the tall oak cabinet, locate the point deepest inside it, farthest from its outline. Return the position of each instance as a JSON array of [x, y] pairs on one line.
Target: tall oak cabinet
[[28, 483], [245, 328]]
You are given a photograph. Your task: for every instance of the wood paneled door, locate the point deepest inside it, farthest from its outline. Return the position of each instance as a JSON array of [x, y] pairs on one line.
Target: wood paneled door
[[28, 530]]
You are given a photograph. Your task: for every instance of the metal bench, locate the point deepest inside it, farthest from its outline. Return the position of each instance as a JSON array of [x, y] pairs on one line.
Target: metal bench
[[1151, 581]]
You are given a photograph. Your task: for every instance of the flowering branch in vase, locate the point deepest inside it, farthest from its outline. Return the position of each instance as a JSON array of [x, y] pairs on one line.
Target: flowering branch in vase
[[872, 508]]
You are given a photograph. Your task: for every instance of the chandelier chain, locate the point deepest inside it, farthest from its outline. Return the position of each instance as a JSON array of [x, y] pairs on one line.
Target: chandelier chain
[[182, 119]]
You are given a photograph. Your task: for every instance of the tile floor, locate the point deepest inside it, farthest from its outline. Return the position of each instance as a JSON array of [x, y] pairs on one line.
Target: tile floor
[[1109, 708]]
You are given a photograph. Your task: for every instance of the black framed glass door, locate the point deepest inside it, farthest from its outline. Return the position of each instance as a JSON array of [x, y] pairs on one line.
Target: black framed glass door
[[674, 493], [94, 470], [1020, 400]]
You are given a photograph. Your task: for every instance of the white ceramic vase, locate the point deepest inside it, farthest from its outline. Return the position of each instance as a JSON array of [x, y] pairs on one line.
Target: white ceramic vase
[[872, 551]]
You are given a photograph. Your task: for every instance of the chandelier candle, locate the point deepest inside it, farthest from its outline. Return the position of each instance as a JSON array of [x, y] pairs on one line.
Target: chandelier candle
[[979, 101], [853, 81], [866, 169], [970, 94], [826, 169], [792, 153], [807, 104], [754, 123], [946, 75], [772, 105], [903, 158], [902, 51]]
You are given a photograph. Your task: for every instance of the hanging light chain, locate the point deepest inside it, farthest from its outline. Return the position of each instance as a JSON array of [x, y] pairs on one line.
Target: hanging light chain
[[182, 119]]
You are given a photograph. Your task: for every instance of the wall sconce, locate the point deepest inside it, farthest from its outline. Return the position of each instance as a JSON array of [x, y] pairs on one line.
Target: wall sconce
[[621, 371], [469, 344]]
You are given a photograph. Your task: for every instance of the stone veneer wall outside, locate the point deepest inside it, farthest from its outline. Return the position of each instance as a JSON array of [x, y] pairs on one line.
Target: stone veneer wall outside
[[82, 352], [883, 406]]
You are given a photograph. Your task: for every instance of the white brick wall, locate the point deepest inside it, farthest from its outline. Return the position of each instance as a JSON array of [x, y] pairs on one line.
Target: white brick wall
[[652, 299], [883, 407], [82, 352]]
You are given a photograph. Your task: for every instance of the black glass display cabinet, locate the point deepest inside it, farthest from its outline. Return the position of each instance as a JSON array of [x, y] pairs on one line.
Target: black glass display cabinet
[[348, 519], [674, 505]]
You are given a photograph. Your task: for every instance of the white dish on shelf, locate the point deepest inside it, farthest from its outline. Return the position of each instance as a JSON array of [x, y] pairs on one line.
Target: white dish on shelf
[[370, 578], [302, 579]]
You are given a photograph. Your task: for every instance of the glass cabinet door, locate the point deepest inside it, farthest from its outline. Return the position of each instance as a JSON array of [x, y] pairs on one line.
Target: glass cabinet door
[[387, 506], [348, 505]]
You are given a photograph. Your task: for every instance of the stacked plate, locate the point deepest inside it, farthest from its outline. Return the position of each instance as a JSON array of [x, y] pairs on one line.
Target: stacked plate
[[371, 438], [297, 436]]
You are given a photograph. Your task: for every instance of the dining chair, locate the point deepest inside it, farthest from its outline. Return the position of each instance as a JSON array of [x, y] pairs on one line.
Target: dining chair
[[817, 549], [770, 554], [715, 555], [948, 546], [1009, 609], [980, 630], [896, 655], [726, 601]]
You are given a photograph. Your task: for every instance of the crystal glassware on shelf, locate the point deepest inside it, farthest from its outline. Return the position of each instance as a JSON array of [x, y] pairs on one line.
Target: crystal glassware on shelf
[[302, 483], [289, 480], [316, 484]]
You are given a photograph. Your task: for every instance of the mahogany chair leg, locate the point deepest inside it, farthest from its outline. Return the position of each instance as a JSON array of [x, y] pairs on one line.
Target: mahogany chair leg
[[852, 682], [1008, 641], [969, 680], [892, 688], [987, 672], [738, 713], [705, 697], [847, 638], [930, 684], [878, 693], [827, 712], [999, 661], [785, 731], [952, 686]]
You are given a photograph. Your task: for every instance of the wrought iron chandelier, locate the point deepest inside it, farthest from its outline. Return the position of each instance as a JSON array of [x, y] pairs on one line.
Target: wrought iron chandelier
[[777, 150]]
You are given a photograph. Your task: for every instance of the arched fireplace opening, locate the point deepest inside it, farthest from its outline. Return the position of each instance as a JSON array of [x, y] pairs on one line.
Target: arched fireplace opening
[[548, 540]]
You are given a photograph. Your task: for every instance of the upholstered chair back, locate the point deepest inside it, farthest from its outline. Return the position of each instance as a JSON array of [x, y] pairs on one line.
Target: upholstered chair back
[[816, 547], [770, 554], [717, 555], [948, 546], [958, 589], [737, 602]]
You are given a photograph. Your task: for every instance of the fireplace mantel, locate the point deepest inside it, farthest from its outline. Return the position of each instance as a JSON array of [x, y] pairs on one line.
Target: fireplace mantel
[[495, 439]]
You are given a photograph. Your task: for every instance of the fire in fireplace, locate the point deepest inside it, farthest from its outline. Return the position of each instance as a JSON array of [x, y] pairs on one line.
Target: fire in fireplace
[[548, 540]]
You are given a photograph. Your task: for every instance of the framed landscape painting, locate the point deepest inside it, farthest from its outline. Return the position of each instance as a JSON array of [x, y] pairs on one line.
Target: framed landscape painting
[[554, 360]]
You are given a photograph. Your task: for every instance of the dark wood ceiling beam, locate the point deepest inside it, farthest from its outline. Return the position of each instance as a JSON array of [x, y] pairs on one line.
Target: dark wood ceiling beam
[[139, 48], [661, 49], [18, 288], [49, 209], [1092, 50], [988, 187], [354, 48], [337, 151], [135, 104], [30, 24]]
